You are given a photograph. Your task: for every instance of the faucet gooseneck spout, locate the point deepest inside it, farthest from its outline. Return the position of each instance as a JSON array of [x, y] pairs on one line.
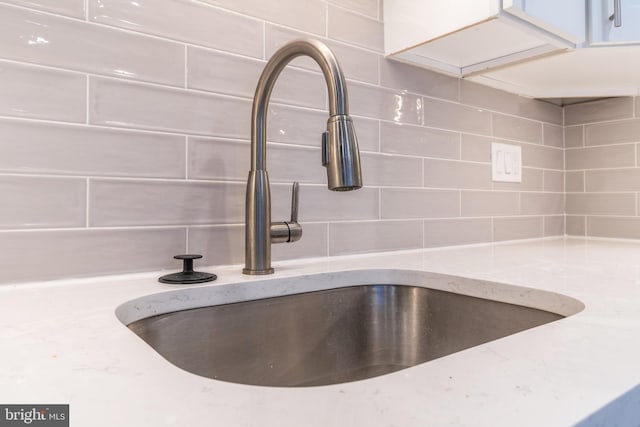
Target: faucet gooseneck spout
[[340, 154]]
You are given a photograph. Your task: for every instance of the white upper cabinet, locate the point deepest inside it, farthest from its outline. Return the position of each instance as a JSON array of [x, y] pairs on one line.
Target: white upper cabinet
[[614, 22], [606, 64], [464, 37]]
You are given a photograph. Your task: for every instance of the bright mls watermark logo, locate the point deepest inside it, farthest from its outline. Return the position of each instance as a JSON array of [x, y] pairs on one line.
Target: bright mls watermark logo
[[34, 415]]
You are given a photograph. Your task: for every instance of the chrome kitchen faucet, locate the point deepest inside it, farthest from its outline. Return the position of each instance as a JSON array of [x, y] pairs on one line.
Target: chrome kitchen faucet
[[340, 154]]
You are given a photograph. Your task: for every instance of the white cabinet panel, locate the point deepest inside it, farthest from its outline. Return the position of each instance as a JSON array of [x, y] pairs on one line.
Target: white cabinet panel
[[409, 22], [565, 18], [602, 28], [462, 37]]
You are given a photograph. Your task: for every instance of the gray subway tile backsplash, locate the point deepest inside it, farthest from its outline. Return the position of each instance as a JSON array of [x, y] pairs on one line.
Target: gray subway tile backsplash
[[618, 156], [218, 159], [357, 63], [354, 28], [141, 202], [532, 180], [403, 76], [618, 132], [554, 181], [573, 136], [517, 128], [42, 202], [419, 203], [386, 170], [575, 225], [76, 45], [208, 240], [518, 228], [319, 204], [456, 174], [141, 106], [475, 148], [554, 225], [305, 15], [612, 180], [456, 231], [396, 138], [199, 23], [364, 7], [390, 105], [297, 126], [456, 117], [553, 135], [365, 237], [535, 109], [74, 8], [537, 156], [574, 181], [612, 204], [235, 75], [123, 127], [496, 100], [39, 93], [490, 203], [93, 251], [87, 150], [597, 111], [221, 72], [532, 203], [478, 95], [612, 226]]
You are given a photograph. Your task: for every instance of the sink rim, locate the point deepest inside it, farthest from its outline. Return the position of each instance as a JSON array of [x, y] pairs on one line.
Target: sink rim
[[198, 296]]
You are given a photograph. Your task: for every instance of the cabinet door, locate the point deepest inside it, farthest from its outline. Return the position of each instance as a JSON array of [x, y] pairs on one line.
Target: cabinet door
[[565, 18], [603, 29]]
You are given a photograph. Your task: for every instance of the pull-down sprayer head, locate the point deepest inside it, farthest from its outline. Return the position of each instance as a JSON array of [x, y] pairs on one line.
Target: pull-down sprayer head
[[340, 146], [340, 154]]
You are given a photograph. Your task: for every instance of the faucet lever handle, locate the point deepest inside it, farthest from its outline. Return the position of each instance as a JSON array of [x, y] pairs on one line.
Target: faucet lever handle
[[294, 202], [288, 231]]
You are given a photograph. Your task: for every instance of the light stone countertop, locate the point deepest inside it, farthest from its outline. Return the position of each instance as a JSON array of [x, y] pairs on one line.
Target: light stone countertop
[[62, 342]]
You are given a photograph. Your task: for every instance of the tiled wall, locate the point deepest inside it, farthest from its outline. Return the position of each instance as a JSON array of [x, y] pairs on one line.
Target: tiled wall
[[124, 133], [603, 173]]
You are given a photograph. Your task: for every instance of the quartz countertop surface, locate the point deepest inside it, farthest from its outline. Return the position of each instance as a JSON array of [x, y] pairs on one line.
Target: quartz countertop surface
[[63, 342]]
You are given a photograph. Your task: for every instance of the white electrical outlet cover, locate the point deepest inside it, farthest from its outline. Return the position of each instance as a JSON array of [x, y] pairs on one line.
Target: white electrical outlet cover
[[506, 162]]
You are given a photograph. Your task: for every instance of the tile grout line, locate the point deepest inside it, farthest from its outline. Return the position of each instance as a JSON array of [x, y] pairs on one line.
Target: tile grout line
[[493, 232], [320, 221], [564, 173], [264, 41], [326, 20], [186, 158], [186, 66], [87, 196], [328, 238], [87, 100]]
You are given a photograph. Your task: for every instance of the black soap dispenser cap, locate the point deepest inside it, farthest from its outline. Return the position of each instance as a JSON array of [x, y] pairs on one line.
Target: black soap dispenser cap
[[187, 276]]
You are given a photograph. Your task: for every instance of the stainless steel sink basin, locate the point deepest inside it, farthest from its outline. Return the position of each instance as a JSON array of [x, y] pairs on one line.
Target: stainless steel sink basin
[[330, 336]]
